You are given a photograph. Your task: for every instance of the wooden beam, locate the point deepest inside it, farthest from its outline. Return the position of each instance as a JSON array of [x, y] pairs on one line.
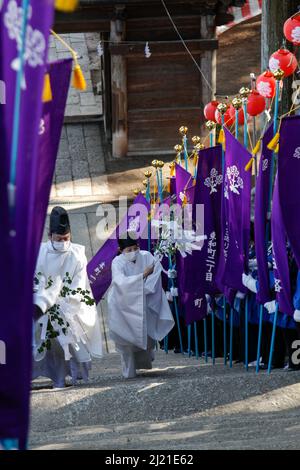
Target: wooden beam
[[164, 48]]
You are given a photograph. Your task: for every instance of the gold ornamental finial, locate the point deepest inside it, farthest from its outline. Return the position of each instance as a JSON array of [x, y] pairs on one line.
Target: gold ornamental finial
[[136, 192], [278, 74], [210, 125], [222, 108], [183, 130], [148, 174], [160, 164], [145, 183], [245, 92], [178, 148], [196, 139], [199, 146], [154, 163], [237, 103]]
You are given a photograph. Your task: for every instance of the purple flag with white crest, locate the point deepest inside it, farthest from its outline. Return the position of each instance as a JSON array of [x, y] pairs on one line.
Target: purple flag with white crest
[[288, 180], [261, 217], [198, 275], [20, 116], [99, 268], [237, 193]]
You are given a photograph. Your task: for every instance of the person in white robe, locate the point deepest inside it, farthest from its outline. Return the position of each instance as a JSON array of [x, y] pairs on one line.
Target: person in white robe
[[138, 310], [63, 263]]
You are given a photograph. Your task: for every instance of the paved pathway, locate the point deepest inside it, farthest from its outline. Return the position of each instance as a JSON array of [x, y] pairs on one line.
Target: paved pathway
[[81, 105], [182, 403]]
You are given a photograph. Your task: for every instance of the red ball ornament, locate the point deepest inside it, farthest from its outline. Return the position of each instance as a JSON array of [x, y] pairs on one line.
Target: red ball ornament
[[291, 29], [256, 103], [241, 117], [210, 110], [228, 119], [284, 60], [266, 84]]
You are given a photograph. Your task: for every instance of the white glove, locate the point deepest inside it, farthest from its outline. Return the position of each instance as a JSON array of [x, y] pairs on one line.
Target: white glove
[[270, 306], [249, 282], [240, 295], [297, 315]]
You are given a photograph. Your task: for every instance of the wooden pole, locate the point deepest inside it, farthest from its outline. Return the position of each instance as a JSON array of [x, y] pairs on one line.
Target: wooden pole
[[119, 89], [274, 15]]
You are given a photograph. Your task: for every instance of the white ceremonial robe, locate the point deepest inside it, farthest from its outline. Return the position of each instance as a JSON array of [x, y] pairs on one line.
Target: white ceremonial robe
[[138, 311], [69, 354]]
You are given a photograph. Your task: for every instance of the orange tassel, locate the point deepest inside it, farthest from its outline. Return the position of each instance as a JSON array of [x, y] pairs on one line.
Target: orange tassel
[[78, 78], [47, 92], [66, 5]]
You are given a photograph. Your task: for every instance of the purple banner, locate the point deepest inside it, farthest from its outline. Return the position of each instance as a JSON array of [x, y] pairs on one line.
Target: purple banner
[[18, 223], [199, 269], [288, 180], [261, 218], [237, 203], [99, 268], [280, 257], [50, 131]]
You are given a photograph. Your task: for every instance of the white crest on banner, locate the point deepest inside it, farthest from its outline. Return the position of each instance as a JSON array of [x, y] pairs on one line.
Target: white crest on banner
[[213, 180], [264, 89], [277, 285], [265, 164], [234, 179], [297, 153], [296, 34], [35, 42]]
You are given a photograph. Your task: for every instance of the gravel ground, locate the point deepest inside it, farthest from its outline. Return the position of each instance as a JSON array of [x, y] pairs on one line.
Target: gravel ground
[[182, 403]]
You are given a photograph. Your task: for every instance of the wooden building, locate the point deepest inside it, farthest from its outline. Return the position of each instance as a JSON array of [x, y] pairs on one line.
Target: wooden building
[[147, 99]]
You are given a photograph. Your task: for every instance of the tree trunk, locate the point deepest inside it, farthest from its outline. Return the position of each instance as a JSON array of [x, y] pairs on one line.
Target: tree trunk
[[274, 15]]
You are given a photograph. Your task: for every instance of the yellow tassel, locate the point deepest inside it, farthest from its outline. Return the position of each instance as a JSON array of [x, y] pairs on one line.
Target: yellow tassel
[[172, 171], [272, 145], [248, 167], [221, 139], [47, 92], [256, 148], [169, 186], [276, 150], [78, 79], [66, 5], [184, 201]]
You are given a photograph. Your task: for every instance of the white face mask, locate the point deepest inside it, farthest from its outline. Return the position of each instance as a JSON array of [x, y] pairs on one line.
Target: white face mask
[[131, 256], [61, 246]]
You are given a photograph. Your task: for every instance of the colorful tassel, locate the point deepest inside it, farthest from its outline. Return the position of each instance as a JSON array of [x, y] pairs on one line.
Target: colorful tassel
[[276, 150], [78, 78], [221, 138], [273, 143], [47, 92], [248, 167], [256, 148], [66, 5]]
